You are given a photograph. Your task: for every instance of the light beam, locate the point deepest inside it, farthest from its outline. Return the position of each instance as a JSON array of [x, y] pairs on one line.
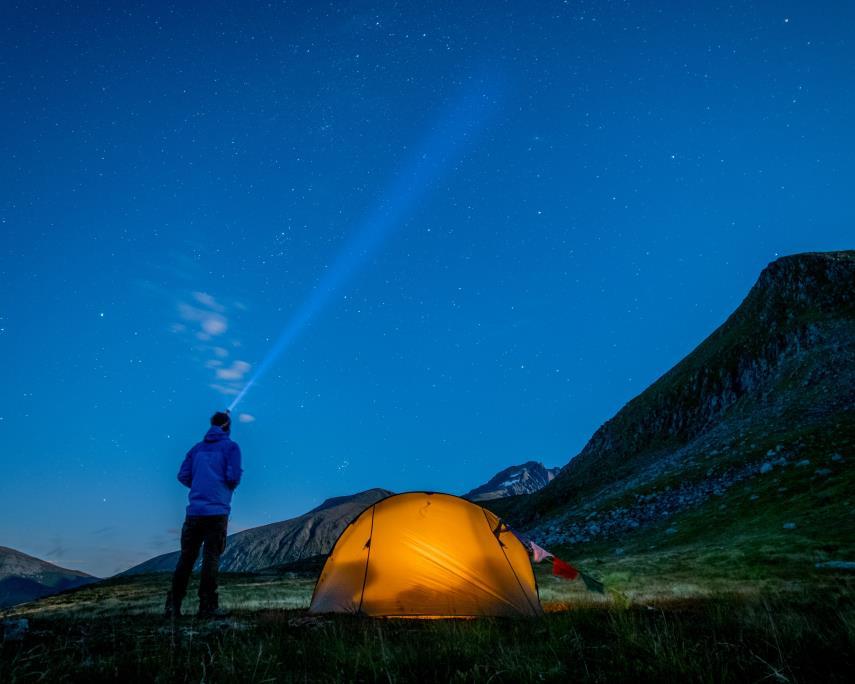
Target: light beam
[[457, 126]]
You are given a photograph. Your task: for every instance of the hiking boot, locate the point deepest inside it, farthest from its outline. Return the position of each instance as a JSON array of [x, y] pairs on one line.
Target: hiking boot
[[209, 608], [172, 609]]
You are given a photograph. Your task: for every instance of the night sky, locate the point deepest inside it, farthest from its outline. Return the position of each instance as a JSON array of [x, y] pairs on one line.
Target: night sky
[[504, 220]]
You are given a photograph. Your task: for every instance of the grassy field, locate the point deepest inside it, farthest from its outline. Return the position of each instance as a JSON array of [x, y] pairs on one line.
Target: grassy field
[[665, 628]]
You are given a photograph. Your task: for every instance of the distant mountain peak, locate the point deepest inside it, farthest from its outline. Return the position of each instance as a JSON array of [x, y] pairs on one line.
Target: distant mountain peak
[[525, 478], [369, 495], [26, 578]]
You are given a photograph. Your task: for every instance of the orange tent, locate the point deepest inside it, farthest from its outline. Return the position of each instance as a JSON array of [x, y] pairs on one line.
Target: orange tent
[[423, 554]]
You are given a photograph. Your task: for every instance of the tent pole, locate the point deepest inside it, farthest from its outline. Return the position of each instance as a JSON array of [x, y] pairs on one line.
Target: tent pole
[[367, 559]]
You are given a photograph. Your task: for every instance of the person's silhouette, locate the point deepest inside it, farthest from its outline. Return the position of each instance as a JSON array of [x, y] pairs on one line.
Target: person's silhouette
[[212, 471]]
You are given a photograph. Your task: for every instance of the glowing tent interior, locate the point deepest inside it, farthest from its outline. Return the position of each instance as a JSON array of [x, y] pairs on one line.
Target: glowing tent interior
[[423, 554]]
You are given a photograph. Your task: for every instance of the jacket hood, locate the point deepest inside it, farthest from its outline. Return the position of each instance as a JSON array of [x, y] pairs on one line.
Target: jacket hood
[[215, 434]]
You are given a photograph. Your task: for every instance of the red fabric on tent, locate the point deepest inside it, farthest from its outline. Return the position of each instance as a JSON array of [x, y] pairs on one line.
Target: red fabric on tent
[[562, 569]]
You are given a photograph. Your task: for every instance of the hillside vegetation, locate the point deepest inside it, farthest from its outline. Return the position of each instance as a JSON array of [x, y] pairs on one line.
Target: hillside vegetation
[[769, 395]]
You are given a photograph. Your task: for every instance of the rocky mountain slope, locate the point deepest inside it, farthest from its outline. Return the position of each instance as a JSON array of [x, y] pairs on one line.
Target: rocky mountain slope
[[25, 578], [771, 390], [520, 479], [280, 543]]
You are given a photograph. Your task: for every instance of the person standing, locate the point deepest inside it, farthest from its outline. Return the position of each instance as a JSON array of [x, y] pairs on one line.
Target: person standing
[[212, 471]]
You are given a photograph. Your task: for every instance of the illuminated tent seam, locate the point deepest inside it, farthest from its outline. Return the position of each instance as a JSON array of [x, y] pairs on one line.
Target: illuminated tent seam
[[367, 557], [431, 559], [502, 547]]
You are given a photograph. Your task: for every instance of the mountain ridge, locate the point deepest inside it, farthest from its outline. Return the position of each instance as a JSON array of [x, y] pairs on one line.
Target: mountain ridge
[[777, 376], [26, 578], [525, 478]]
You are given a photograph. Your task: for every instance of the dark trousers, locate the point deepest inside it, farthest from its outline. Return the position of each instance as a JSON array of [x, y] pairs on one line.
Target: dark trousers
[[207, 532]]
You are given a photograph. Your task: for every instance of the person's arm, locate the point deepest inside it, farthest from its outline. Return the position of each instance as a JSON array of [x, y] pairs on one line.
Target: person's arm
[[185, 473], [233, 467]]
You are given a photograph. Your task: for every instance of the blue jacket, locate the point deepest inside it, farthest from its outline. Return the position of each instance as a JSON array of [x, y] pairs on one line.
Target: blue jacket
[[212, 471]]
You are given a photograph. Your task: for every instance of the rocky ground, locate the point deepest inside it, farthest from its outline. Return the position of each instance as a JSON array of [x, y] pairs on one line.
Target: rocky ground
[[659, 505]]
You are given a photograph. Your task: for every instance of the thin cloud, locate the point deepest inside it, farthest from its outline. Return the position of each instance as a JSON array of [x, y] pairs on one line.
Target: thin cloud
[[208, 301], [246, 418], [224, 389], [205, 321], [212, 323], [57, 549], [235, 372]]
